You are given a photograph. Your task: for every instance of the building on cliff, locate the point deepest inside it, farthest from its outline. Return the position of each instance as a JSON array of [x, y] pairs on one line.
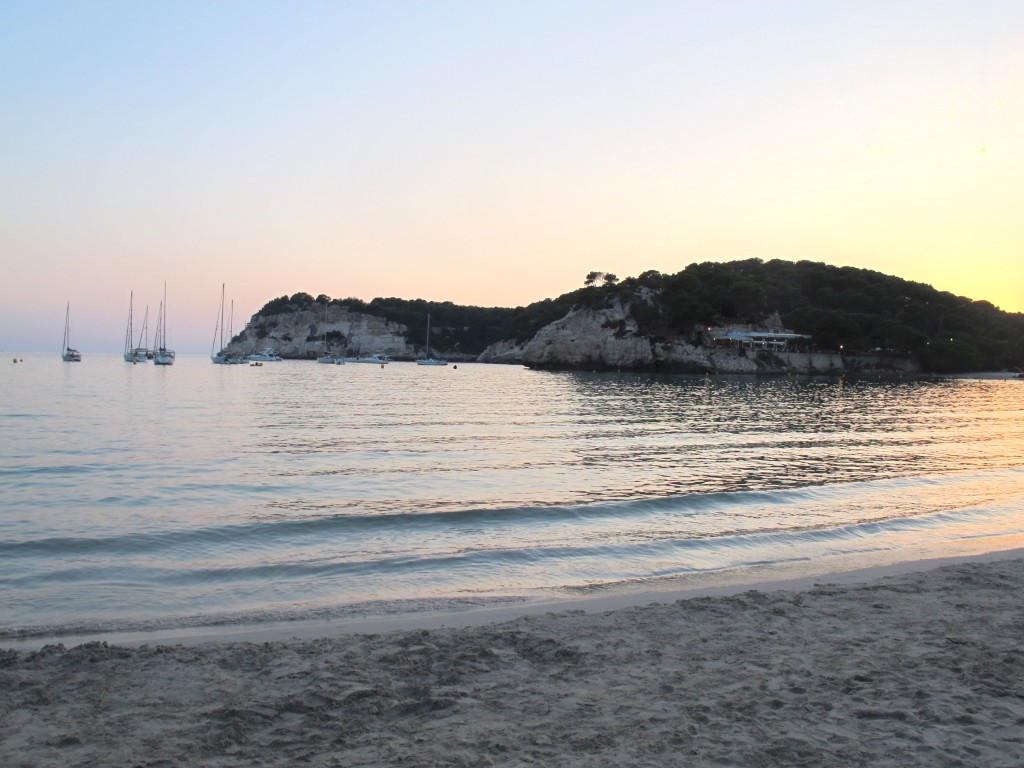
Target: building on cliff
[[773, 341]]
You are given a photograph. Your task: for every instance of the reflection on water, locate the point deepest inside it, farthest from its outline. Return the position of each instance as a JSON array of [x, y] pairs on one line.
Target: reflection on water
[[135, 492]]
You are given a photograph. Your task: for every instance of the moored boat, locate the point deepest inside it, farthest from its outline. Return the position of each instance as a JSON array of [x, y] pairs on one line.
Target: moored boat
[[328, 357], [67, 354], [378, 358], [134, 353], [428, 360], [164, 355], [222, 357], [265, 355]]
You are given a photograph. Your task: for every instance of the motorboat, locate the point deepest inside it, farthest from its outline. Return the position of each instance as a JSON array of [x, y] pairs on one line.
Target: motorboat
[[377, 358], [265, 355], [329, 359]]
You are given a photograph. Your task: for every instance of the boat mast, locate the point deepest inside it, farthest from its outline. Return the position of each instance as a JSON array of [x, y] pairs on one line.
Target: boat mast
[[221, 316], [163, 324], [219, 326], [145, 330], [159, 326], [128, 333]]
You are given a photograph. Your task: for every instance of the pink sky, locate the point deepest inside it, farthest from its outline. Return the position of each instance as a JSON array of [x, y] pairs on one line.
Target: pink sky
[[491, 154]]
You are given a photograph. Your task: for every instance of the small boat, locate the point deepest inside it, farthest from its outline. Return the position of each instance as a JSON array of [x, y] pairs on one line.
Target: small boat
[[134, 353], [144, 348], [266, 355], [428, 360], [377, 358], [328, 357], [163, 355], [222, 357], [69, 355]]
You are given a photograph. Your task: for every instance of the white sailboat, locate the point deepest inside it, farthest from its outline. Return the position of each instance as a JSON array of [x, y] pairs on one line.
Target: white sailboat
[[221, 357], [67, 354], [141, 348], [329, 358], [428, 360], [164, 355], [134, 353]]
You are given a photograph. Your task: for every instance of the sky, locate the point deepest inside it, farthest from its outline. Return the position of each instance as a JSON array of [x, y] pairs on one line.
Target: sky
[[491, 153]]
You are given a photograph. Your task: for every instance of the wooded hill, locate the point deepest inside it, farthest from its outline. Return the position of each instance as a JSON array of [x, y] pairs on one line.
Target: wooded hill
[[857, 309]]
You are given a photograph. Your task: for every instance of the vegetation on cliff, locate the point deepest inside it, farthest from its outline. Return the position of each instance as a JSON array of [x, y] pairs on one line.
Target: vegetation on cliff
[[857, 310]]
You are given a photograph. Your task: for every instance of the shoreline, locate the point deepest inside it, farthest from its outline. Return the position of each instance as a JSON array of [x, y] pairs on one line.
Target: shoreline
[[913, 665], [797, 576]]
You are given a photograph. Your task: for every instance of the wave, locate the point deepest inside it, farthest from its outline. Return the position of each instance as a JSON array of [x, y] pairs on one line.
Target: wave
[[338, 565], [943, 492], [724, 552]]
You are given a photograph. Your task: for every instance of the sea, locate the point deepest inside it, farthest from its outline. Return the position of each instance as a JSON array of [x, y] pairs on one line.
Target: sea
[[138, 498]]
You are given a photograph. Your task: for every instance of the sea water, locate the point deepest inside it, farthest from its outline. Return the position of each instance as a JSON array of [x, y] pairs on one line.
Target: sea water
[[138, 497]]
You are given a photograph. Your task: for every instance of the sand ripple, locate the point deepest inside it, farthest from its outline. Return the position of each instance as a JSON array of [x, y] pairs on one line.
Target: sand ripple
[[923, 669]]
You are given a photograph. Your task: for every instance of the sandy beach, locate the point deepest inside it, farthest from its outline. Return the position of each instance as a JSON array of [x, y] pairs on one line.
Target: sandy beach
[[916, 669]]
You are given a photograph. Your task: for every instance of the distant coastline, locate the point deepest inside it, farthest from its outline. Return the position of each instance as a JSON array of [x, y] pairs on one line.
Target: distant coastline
[[748, 317]]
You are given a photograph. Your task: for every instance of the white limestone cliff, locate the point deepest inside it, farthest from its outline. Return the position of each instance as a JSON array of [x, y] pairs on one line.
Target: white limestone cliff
[[608, 339], [586, 338], [300, 334]]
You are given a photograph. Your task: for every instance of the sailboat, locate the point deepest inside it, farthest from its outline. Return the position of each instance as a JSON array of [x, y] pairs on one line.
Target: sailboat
[[69, 355], [141, 348], [428, 360], [222, 357], [327, 358], [133, 354], [163, 356]]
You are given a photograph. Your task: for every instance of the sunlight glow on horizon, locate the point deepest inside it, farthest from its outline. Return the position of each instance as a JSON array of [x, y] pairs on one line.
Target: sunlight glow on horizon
[[492, 155]]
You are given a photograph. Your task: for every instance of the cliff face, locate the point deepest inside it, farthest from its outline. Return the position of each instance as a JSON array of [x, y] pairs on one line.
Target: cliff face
[[605, 339], [300, 334], [608, 339], [586, 338]]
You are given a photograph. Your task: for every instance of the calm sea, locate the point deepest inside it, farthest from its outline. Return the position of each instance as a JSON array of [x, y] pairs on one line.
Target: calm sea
[[134, 497]]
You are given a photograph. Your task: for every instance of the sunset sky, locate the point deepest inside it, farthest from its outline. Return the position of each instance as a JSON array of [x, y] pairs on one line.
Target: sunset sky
[[491, 153]]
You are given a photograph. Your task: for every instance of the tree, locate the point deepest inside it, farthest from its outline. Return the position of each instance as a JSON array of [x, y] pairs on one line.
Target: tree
[[591, 278], [610, 279]]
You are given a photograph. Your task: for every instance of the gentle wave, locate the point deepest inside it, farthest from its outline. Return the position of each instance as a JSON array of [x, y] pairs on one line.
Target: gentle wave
[[715, 553], [210, 496], [678, 507]]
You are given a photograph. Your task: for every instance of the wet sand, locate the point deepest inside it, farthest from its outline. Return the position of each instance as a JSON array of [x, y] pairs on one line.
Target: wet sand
[[915, 669]]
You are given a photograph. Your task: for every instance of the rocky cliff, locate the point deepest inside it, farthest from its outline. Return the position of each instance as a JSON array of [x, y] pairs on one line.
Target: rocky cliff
[[604, 337], [607, 338], [308, 333]]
